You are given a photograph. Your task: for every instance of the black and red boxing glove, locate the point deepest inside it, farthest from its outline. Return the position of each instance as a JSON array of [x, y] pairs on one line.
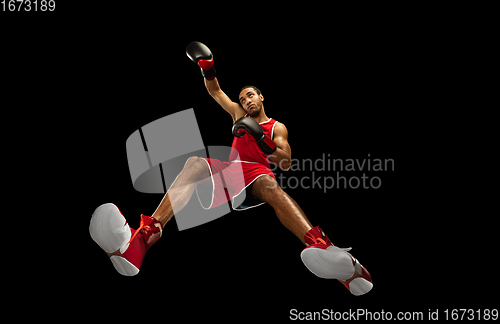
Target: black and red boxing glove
[[253, 128], [200, 54]]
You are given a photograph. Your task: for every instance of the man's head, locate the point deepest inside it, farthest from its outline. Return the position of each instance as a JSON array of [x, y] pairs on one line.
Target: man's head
[[250, 99]]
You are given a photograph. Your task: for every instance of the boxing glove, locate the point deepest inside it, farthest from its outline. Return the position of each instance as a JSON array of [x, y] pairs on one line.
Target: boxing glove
[[200, 54], [267, 145]]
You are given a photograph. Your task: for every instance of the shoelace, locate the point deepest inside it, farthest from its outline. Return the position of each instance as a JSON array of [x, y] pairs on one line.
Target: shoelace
[[141, 227], [317, 240]]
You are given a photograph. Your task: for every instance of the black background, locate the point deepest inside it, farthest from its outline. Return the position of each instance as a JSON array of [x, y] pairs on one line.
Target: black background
[[88, 77]]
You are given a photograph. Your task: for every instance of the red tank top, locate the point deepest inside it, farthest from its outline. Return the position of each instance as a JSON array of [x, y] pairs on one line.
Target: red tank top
[[247, 147]]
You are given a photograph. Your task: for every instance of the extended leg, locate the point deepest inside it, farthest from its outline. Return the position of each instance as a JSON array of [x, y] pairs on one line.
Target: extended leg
[[288, 211], [320, 256], [125, 246], [179, 193]]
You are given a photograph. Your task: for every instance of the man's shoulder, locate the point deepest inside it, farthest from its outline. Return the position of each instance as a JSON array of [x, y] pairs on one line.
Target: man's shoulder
[[280, 129]]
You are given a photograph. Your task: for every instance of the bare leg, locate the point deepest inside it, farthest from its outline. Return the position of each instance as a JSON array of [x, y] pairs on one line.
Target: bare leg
[[288, 211], [179, 193]]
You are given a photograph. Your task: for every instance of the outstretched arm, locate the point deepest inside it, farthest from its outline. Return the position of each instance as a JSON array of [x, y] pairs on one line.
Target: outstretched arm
[[222, 99], [200, 54]]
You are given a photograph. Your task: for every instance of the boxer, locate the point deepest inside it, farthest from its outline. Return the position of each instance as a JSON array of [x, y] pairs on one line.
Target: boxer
[[258, 141]]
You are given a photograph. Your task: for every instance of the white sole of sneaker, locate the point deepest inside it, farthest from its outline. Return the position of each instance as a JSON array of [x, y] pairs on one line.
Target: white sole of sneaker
[[329, 263], [109, 229], [360, 286], [123, 266]]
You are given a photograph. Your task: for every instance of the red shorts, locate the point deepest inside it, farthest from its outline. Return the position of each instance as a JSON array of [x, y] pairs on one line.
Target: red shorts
[[229, 181]]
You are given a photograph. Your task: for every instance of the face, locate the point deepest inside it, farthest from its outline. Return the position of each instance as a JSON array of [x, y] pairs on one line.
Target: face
[[251, 101]]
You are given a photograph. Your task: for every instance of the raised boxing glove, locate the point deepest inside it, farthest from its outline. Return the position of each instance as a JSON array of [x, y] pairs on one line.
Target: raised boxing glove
[[200, 54]]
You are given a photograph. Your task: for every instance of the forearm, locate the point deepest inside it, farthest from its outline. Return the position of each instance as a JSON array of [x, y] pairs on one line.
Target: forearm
[[282, 159], [212, 86]]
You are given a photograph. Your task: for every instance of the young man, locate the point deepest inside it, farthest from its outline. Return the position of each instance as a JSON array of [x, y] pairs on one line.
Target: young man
[[258, 141]]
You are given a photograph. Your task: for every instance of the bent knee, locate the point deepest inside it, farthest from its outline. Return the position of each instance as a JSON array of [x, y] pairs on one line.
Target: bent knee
[[265, 188], [197, 167], [193, 160], [268, 182]]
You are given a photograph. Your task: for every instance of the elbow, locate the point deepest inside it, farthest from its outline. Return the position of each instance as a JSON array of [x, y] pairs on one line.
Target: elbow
[[285, 164]]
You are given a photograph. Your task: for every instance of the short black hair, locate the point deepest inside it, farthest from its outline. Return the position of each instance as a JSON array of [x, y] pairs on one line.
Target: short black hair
[[251, 86]]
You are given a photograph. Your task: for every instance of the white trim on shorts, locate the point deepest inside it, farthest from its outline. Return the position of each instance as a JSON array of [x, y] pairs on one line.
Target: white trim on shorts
[[213, 187], [232, 199]]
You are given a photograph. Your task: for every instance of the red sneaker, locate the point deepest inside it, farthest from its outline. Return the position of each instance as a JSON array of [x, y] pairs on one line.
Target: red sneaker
[[125, 246], [325, 260]]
